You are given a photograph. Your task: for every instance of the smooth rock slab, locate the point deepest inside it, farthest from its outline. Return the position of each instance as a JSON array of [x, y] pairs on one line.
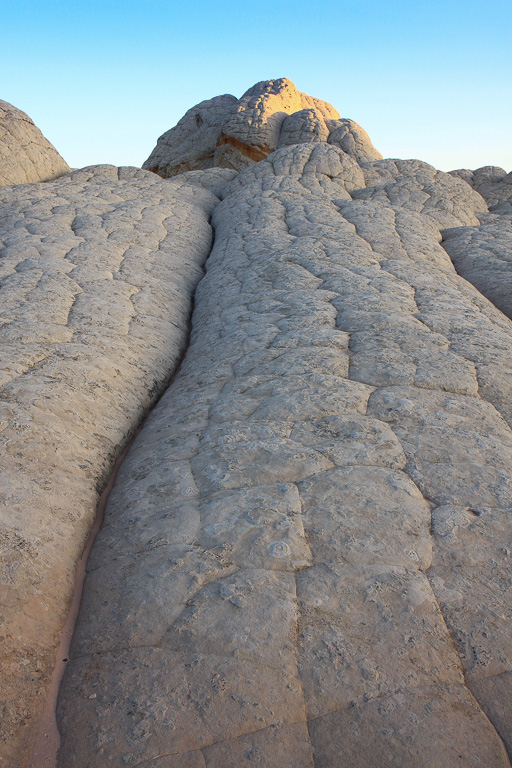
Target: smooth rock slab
[[495, 693], [366, 632], [366, 515], [428, 727], [171, 702]]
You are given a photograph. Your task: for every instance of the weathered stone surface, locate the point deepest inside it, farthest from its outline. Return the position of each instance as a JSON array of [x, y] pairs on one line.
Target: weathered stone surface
[[493, 183], [190, 145], [483, 255], [321, 499], [252, 132], [410, 728], [285, 746], [97, 273], [307, 125], [352, 139], [231, 133], [25, 154], [494, 693]]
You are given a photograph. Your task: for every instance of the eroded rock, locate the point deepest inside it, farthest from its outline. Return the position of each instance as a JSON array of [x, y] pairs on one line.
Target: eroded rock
[[98, 269], [297, 495], [25, 154], [306, 555], [230, 133], [483, 254], [191, 144]]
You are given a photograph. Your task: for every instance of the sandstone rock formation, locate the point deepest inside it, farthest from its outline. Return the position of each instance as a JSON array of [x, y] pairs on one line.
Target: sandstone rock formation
[[25, 154], [226, 133], [494, 184], [98, 269], [483, 254], [190, 145], [305, 560], [324, 491]]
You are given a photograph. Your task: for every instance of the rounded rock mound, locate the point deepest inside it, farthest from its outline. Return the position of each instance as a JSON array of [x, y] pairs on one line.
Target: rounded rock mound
[[25, 154], [226, 132]]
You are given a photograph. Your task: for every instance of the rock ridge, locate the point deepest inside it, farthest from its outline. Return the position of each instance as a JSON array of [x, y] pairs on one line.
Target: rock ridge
[[98, 270]]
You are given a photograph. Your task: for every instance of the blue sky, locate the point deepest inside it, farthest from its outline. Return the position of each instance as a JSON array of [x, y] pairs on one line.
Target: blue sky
[[103, 80]]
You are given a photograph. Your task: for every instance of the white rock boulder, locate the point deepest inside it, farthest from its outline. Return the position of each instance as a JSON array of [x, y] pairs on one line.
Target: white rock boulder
[[25, 154]]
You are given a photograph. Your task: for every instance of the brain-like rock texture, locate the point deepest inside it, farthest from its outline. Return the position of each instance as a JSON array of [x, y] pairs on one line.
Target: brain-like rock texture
[[25, 154], [324, 490], [305, 559], [483, 254], [97, 272], [494, 184], [229, 133]]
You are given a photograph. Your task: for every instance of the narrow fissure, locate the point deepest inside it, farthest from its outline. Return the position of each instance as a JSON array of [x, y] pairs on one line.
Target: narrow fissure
[[47, 743]]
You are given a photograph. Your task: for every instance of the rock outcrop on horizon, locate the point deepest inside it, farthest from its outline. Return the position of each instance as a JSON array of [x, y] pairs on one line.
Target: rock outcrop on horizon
[[228, 133], [305, 558], [25, 154]]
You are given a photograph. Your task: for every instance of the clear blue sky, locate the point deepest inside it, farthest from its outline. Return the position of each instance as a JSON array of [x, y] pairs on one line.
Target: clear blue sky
[[103, 80]]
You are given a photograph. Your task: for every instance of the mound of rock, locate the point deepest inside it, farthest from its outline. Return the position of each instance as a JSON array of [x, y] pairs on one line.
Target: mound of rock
[[25, 155], [305, 559], [226, 132], [493, 183]]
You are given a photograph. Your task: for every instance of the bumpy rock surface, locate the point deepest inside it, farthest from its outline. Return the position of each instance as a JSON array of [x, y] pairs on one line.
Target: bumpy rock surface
[[25, 154], [97, 272], [494, 184], [483, 254], [229, 133], [190, 145], [306, 557]]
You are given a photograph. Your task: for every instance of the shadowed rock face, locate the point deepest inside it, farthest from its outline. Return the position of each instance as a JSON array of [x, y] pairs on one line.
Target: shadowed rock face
[[25, 154], [483, 254], [305, 561], [229, 133], [191, 144]]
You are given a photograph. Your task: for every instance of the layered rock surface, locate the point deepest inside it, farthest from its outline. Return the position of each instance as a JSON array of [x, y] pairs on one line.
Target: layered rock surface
[[305, 559], [483, 254], [229, 133], [97, 273], [25, 154]]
